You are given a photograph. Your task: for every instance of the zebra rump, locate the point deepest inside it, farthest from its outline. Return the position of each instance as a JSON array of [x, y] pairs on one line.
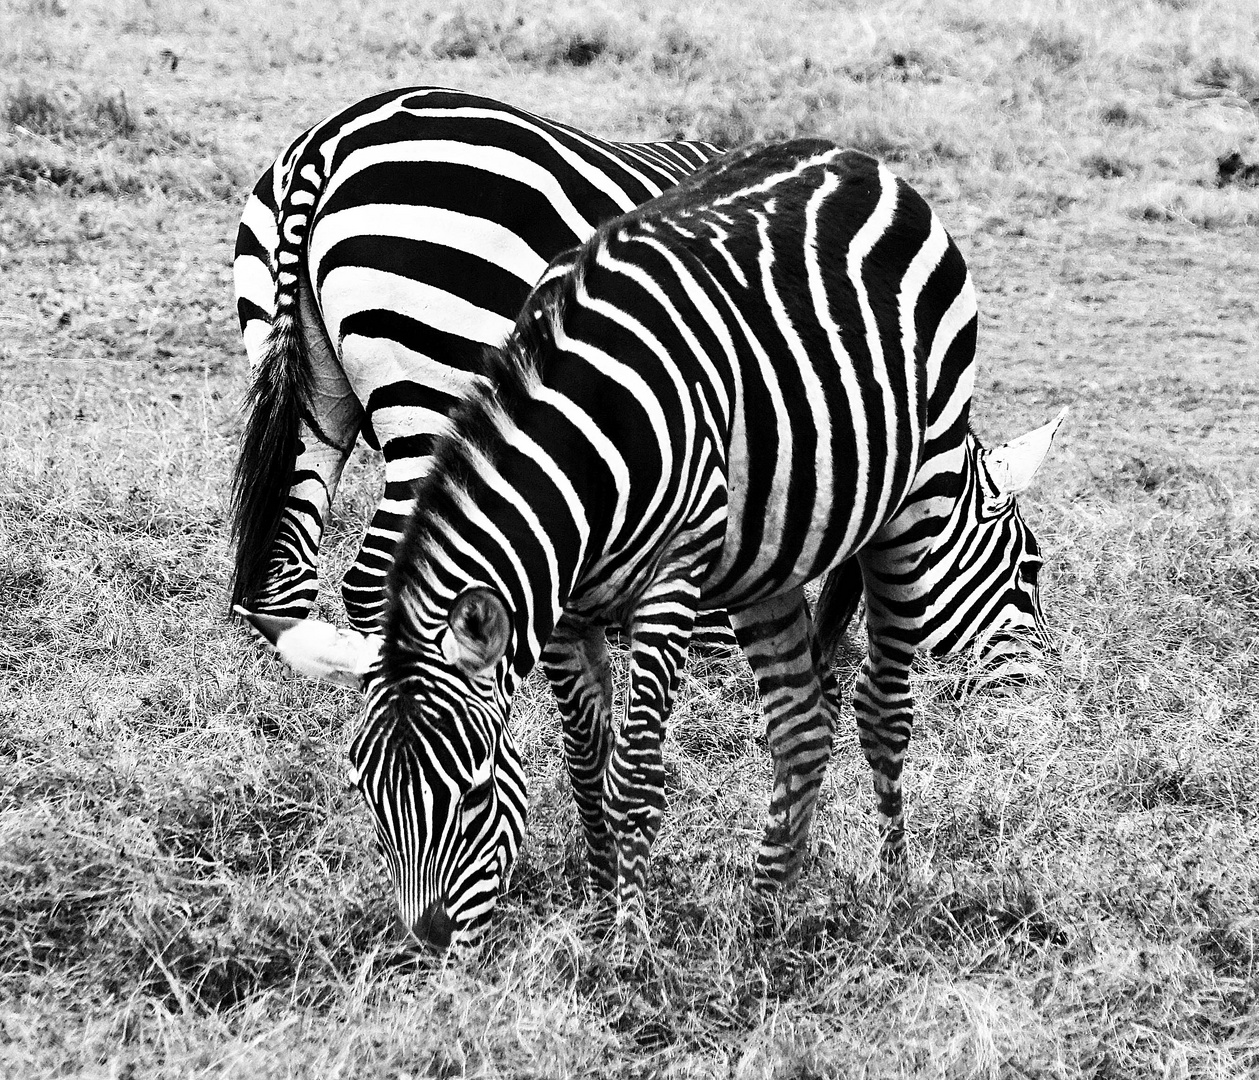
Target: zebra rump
[[375, 259]]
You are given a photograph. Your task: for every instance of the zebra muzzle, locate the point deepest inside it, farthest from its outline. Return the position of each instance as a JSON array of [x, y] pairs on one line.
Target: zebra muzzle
[[434, 926]]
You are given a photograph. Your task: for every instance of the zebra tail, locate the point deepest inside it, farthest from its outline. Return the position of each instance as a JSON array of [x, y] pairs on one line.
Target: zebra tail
[[280, 394], [836, 606], [276, 402]]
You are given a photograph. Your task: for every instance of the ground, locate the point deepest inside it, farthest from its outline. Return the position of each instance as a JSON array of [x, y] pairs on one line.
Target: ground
[[187, 885]]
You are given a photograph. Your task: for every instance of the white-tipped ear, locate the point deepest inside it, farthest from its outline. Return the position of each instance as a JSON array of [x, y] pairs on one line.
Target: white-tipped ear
[[317, 649], [1013, 465], [479, 631]]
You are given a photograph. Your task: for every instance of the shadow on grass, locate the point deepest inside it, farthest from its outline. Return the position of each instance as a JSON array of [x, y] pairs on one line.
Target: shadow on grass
[[199, 885]]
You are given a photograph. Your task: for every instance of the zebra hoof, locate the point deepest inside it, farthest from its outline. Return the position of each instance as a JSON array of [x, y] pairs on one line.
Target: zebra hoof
[[895, 863], [630, 945], [765, 911]]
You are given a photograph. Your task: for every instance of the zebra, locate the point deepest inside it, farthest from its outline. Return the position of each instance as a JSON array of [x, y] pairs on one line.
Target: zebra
[[759, 376], [375, 259]]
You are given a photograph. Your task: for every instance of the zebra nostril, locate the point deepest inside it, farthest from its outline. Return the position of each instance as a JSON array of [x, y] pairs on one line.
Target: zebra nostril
[[434, 926]]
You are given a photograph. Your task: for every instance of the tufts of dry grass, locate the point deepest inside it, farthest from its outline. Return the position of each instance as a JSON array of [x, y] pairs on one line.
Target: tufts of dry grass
[[94, 143], [1204, 207], [187, 885], [92, 118], [468, 32], [197, 891]]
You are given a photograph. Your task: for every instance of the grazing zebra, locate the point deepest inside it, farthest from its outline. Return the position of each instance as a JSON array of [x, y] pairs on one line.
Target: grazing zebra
[[762, 375], [375, 260]]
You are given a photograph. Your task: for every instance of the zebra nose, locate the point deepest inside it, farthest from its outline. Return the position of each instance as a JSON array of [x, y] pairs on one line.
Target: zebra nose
[[434, 926]]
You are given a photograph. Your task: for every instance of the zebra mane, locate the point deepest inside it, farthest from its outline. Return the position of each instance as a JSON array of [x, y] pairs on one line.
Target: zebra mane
[[512, 372], [722, 178]]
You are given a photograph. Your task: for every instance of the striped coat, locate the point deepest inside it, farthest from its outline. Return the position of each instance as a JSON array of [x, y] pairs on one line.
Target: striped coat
[[761, 376]]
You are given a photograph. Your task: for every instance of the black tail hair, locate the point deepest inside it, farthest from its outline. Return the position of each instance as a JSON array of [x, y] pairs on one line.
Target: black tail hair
[[836, 606], [280, 395], [266, 463]]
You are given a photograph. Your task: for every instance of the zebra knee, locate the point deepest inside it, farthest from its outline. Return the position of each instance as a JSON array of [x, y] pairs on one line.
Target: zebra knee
[[364, 597]]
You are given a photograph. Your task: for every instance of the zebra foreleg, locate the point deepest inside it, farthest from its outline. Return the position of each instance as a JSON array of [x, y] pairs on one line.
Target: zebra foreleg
[[633, 785], [798, 700], [577, 665]]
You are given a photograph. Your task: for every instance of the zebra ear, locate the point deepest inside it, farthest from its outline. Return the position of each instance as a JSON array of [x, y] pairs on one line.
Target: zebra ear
[[317, 649], [1012, 466], [479, 631]]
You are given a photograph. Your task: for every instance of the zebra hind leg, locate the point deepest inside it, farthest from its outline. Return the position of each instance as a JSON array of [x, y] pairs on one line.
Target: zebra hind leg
[[633, 782], [290, 585], [301, 424], [798, 699], [577, 664], [363, 587]]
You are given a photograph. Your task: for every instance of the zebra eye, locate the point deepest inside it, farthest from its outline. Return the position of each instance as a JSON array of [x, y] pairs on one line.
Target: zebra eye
[[476, 799]]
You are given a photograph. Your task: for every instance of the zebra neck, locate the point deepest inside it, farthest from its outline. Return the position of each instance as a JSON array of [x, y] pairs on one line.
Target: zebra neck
[[501, 517]]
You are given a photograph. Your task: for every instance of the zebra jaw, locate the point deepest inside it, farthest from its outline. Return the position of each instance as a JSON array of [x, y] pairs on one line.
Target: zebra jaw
[[317, 649]]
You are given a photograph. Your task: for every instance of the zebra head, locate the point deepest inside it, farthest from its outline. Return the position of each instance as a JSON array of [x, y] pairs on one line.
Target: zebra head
[[988, 596], [433, 758]]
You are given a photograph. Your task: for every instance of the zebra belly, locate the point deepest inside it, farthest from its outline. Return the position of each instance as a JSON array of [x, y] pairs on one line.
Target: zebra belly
[[612, 589], [791, 525], [784, 571]]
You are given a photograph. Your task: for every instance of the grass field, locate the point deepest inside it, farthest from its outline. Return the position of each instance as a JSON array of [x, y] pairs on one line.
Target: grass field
[[187, 886]]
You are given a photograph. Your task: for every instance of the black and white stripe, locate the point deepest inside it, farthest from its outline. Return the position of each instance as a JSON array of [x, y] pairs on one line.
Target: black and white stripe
[[758, 378], [375, 260]]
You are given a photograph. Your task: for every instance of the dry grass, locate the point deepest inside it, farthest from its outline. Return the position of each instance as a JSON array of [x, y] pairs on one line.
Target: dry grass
[[186, 886], [89, 143]]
